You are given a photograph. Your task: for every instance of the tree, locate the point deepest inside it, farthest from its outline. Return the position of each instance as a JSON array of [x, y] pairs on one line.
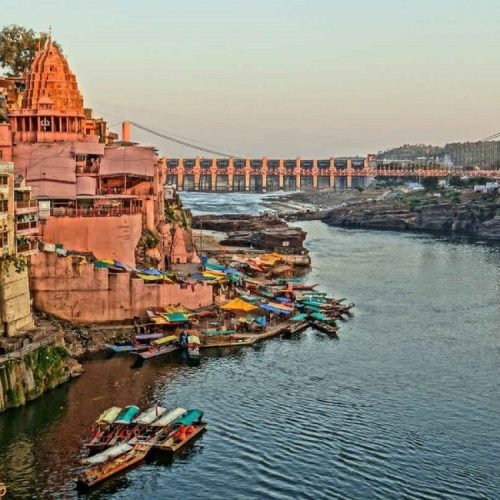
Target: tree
[[17, 48], [430, 183]]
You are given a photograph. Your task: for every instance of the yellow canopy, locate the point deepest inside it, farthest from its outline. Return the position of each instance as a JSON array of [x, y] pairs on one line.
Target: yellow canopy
[[239, 305], [159, 320], [165, 340], [109, 416]]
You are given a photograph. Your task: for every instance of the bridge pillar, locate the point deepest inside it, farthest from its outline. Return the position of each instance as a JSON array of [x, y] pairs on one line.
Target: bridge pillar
[[213, 173], [297, 173], [281, 177], [230, 174], [349, 174], [332, 173], [315, 174], [197, 173], [180, 175], [247, 174], [264, 174]]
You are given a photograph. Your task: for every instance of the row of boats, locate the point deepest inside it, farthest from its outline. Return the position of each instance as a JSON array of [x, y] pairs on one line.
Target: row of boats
[[122, 438]]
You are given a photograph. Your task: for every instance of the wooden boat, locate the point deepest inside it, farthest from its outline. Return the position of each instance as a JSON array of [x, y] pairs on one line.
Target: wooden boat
[[298, 326], [171, 444], [107, 454], [99, 473], [324, 327], [127, 415], [165, 345], [126, 347]]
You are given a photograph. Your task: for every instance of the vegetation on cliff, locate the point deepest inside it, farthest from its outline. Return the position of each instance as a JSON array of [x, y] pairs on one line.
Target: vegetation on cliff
[[26, 378]]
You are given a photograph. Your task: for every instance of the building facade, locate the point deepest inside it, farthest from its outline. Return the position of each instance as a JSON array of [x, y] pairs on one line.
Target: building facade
[[15, 303]]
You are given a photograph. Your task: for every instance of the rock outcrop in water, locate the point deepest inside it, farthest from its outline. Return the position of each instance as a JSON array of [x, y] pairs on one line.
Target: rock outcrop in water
[[454, 213]]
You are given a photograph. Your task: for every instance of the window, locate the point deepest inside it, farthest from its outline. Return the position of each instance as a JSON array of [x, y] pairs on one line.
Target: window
[[3, 180], [1, 154]]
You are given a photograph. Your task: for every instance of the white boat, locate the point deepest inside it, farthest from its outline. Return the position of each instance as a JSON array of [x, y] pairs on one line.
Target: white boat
[[170, 417], [147, 417], [106, 455]]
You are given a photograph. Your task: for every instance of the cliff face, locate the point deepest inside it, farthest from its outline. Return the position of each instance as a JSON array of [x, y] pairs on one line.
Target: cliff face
[[25, 378]]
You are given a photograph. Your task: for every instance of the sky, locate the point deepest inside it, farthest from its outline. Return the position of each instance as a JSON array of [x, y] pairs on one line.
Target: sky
[[282, 78]]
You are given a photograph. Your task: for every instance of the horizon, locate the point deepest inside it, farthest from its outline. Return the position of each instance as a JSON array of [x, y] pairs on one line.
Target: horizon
[[283, 78]]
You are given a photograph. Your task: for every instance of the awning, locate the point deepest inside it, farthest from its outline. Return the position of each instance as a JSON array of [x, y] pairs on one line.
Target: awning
[[238, 305]]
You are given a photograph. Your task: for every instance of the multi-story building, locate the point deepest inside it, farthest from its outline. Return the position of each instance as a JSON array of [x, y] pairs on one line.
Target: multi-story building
[[15, 303]]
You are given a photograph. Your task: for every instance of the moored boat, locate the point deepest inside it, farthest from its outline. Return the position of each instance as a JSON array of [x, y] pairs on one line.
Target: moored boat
[[186, 428], [169, 417], [100, 472], [159, 347], [324, 326]]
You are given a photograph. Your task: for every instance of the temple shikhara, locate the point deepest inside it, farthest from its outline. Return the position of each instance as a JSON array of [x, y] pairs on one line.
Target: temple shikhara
[[81, 190]]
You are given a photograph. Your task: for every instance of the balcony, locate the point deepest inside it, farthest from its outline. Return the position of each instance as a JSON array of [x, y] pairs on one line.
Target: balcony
[[94, 211], [27, 247], [26, 207], [26, 228]]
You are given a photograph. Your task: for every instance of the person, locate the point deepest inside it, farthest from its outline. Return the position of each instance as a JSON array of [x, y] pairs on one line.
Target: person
[[180, 435], [183, 340]]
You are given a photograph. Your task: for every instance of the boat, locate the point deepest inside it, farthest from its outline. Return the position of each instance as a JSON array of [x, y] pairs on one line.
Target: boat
[[159, 347], [298, 326], [107, 454], [186, 428], [98, 473], [126, 347], [147, 417], [324, 327], [173, 444], [127, 415], [169, 417]]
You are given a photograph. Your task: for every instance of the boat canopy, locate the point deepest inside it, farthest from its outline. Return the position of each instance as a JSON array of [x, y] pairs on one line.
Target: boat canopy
[[127, 414], [176, 317], [238, 304], [299, 317], [190, 417], [147, 417], [105, 455], [109, 416], [320, 317], [165, 340], [169, 417], [148, 336]]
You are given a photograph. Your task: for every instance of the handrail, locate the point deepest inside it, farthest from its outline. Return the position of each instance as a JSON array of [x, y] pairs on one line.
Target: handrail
[[29, 348]]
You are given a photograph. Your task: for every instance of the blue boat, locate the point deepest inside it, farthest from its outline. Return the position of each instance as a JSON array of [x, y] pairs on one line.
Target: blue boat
[[127, 415]]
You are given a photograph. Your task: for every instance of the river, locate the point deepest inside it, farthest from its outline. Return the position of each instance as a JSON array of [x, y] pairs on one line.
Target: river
[[404, 404]]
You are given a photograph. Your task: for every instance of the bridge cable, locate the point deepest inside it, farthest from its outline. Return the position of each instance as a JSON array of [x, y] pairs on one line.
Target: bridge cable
[[182, 142]]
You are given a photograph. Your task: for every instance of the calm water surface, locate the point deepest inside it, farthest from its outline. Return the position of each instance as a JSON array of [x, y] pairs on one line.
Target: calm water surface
[[405, 404]]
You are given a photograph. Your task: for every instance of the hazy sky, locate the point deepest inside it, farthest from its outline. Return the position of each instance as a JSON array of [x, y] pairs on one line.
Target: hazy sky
[[283, 77]]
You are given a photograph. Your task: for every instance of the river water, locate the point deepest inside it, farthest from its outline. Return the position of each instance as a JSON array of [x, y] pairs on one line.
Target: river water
[[405, 404]]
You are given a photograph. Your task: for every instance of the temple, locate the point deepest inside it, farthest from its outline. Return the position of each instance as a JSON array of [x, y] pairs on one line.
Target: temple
[[95, 194], [80, 189]]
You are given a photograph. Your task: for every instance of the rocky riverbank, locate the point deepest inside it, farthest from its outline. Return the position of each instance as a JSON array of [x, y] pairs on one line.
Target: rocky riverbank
[[450, 212], [262, 232]]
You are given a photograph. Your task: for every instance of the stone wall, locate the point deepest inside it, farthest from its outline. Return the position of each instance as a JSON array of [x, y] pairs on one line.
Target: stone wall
[[15, 307], [107, 237], [72, 289]]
